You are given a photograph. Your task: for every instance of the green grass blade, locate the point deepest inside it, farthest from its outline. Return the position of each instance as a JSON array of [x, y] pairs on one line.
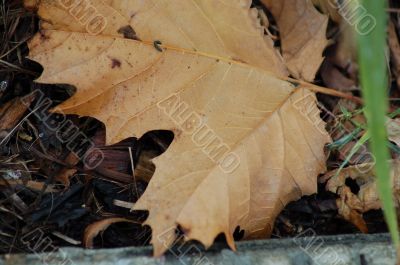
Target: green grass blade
[[353, 151], [374, 80]]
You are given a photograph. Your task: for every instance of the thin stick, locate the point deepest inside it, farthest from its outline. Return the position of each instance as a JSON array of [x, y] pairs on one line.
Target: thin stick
[[326, 91], [123, 204], [133, 171]]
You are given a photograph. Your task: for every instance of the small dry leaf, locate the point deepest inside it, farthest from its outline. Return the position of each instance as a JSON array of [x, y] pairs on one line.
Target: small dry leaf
[[246, 141], [350, 205], [393, 130], [351, 208], [303, 35], [66, 173], [95, 228], [12, 112]]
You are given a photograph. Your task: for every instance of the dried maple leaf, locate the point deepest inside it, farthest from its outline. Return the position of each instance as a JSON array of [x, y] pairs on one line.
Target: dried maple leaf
[[246, 141], [303, 35]]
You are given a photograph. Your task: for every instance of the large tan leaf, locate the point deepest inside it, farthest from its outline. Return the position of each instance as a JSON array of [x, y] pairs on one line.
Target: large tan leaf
[[303, 35], [221, 111], [226, 28]]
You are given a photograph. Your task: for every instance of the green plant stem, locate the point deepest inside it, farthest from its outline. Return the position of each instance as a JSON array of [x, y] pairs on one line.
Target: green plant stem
[[373, 76]]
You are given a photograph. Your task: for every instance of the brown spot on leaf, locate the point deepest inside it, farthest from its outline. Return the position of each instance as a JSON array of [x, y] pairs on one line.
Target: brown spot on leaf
[[43, 36], [128, 32], [115, 63], [238, 59]]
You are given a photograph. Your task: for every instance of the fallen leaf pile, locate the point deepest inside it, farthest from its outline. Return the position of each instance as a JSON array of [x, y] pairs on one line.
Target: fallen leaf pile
[[352, 205], [246, 141]]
